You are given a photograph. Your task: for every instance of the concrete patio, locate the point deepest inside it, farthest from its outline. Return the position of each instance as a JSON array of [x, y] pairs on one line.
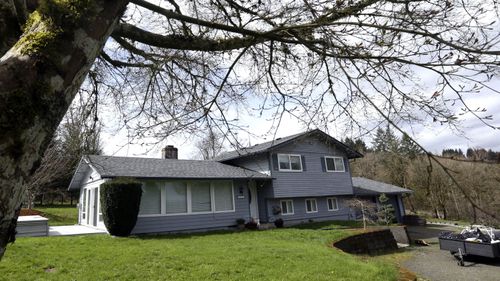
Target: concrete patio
[[67, 230]]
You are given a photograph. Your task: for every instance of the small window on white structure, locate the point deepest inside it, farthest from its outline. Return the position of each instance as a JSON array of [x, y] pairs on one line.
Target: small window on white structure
[[150, 199], [176, 197], [311, 206], [99, 217], [334, 164], [290, 162], [223, 196], [333, 204], [286, 207], [201, 200]]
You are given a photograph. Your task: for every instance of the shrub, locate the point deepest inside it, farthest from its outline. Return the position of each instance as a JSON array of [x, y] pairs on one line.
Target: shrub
[[279, 223], [240, 221], [120, 201], [251, 225]]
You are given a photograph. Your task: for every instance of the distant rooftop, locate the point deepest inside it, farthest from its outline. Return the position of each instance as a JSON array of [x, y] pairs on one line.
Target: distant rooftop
[[266, 146], [364, 186]]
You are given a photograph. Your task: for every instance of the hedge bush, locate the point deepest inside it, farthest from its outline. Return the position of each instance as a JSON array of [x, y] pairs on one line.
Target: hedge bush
[[120, 200]]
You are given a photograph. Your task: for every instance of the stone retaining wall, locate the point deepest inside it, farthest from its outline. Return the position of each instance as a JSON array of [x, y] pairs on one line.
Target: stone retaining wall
[[368, 243]]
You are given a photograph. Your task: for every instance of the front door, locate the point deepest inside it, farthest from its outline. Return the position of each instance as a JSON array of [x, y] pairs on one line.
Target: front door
[[252, 199]]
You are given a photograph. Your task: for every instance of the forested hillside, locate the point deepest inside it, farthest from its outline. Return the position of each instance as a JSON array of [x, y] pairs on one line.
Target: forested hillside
[[395, 160]]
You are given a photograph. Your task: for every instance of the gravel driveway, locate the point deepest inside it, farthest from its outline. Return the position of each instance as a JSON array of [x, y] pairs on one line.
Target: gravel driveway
[[433, 264]]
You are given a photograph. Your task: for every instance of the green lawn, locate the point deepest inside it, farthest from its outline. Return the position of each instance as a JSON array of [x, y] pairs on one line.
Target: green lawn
[[278, 254], [60, 214]]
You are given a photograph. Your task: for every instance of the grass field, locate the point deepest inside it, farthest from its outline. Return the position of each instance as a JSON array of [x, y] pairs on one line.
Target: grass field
[[59, 214], [278, 254]]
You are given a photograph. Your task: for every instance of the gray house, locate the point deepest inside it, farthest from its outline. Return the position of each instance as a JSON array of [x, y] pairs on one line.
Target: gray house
[[298, 178]]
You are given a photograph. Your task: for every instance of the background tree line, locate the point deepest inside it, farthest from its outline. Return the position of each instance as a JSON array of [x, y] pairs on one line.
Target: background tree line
[[77, 135], [397, 160]]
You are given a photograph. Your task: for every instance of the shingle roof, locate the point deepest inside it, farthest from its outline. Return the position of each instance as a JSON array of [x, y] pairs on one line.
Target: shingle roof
[[266, 146], [364, 186], [113, 166]]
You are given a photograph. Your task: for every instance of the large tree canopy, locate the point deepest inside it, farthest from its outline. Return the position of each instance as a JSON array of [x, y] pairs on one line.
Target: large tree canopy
[[180, 65]]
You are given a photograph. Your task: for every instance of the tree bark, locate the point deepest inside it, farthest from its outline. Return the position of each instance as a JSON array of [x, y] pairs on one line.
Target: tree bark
[[39, 77]]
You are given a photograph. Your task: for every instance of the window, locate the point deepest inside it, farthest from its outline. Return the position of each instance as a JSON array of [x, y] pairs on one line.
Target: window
[[311, 206], [176, 197], [333, 204], [84, 204], [290, 162], [334, 164], [150, 199], [186, 197], [99, 208], [286, 207], [201, 200], [223, 196]]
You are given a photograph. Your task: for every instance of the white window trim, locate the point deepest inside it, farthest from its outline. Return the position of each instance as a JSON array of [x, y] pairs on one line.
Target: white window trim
[[163, 208], [290, 163], [328, 205], [334, 171], [293, 207], [315, 203]]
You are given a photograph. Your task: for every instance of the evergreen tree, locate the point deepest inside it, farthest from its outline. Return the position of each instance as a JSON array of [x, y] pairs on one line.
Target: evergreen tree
[[386, 210], [385, 141], [378, 143], [349, 142], [360, 146], [409, 148], [470, 154]]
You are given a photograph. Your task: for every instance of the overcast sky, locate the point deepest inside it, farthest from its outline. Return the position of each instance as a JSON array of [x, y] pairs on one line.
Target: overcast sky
[[434, 137]]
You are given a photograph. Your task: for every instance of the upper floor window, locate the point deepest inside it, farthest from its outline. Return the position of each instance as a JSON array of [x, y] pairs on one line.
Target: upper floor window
[[290, 162], [334, 164]]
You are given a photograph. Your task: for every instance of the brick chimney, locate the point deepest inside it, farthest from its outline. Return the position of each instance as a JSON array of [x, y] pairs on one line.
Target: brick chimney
[[169, 152]]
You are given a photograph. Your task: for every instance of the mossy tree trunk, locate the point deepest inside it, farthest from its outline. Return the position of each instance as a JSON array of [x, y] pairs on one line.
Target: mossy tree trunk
[[39, 77]]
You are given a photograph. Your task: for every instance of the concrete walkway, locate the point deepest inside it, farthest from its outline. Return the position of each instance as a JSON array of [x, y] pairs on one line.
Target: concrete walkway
[[66, 230]]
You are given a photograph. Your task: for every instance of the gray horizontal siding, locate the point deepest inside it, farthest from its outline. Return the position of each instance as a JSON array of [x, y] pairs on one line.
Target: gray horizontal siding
[[300, 214], [264, 190], [194, 222], [313, 181]]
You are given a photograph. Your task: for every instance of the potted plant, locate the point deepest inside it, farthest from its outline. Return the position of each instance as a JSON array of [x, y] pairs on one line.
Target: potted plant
[[252, 224], [279, 223], [240, 223]]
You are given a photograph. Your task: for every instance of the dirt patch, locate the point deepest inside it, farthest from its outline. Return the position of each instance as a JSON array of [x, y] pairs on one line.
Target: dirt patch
[[28, 212], [406, 275], [50, 269]]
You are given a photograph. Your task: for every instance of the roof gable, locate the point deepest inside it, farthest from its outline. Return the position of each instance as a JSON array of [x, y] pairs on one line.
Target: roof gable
[[280, 142]]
